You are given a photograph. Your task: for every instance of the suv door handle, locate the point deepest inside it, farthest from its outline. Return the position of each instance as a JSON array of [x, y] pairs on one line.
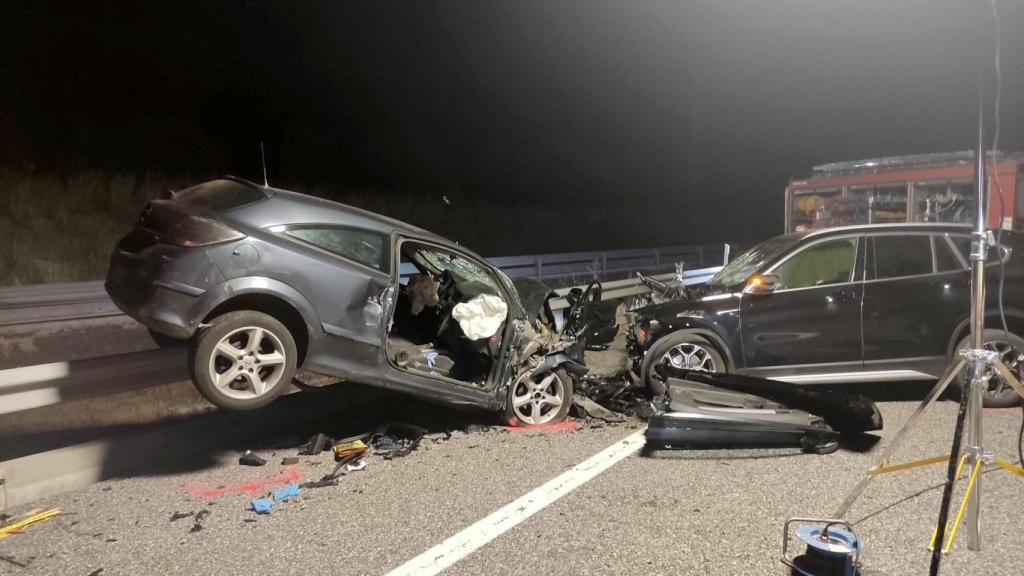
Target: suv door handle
[[841, 297]]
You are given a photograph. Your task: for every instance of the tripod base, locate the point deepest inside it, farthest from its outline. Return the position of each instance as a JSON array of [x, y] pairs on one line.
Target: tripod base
[[974, 454], [951, 530]]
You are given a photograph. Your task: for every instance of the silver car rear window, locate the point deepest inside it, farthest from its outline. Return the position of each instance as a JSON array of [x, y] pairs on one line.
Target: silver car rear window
[[220, 195]]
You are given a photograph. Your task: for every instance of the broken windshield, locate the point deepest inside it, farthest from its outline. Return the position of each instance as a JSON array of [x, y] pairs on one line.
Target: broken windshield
[[737, 271], [461, 269]]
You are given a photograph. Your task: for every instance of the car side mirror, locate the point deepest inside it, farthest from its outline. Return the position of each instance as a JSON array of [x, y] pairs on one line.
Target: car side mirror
[[765, 284]]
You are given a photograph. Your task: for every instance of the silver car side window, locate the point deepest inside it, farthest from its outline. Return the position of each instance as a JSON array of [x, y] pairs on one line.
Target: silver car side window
[[363, 246]]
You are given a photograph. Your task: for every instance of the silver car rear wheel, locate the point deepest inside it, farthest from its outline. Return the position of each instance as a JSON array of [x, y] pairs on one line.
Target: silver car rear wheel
[[247, 362], [243, 360]]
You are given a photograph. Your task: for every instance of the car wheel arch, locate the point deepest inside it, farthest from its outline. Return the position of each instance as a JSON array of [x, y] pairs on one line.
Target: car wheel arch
[[697, 330], [277, 299], [1014, 321]]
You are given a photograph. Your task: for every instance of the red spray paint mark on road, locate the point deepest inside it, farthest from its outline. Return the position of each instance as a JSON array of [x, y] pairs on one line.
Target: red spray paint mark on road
[[567, 424], [253, 488]]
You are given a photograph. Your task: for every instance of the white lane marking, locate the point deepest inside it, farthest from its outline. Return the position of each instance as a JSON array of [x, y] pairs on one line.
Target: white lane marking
[[464, 543]]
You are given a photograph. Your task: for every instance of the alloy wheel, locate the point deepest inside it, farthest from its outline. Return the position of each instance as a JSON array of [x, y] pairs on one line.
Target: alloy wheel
[[247, 362], [538, 401], [690, 356], [1011, 358]]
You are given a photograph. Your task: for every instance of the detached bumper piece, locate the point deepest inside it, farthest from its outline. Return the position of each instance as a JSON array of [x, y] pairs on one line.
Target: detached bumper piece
[[695, 414], [709, 409]]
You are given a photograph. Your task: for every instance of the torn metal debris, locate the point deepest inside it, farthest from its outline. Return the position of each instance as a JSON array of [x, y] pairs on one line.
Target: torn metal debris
[[396, 440], [707, 409]]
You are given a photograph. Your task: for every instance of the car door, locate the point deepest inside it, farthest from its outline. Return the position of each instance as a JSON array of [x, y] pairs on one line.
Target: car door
[[915, 292], [811, 322], [347, 277]]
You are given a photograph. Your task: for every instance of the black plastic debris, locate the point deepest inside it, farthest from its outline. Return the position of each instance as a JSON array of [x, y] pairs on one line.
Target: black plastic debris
[[317, 444], [197, 523], [620, 393], [396, 440], [709, 409], [847, 413], [584, 407], [289, 460], [251, 459], [179, 515]]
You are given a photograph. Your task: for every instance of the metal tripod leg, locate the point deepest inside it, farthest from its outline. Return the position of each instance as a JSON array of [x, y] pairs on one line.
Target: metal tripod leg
[[1009, 378], [935, 392], [973, 498]]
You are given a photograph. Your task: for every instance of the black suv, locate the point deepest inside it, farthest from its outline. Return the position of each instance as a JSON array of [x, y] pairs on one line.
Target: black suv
[[875, 303]]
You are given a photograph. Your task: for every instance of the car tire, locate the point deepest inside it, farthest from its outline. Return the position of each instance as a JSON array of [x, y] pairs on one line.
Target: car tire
[[1011, 357], [526, 387], [705, 355], [243, 360]]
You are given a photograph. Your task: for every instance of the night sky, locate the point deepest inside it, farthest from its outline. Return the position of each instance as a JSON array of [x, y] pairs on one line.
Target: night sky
[[687, 118]]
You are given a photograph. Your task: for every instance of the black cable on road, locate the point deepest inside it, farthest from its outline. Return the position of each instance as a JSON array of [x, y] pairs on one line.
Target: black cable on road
[[954, 460]]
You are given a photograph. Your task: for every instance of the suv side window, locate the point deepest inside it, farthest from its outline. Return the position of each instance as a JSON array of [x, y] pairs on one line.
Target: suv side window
[[363, 246], [829, 262], [897, 256], [963, 244], [945, 259]]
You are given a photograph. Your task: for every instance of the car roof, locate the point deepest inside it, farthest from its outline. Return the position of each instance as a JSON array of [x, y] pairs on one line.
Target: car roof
[[290, 207], [897, 227]]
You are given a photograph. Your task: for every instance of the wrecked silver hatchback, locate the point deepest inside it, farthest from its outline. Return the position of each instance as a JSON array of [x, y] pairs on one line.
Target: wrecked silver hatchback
[[261, 281]]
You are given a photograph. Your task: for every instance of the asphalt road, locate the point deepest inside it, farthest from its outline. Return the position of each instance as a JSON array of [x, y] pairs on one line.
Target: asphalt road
[[680, 512]]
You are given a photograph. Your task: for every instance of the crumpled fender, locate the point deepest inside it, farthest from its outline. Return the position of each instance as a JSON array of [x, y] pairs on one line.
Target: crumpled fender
[[569, 357]]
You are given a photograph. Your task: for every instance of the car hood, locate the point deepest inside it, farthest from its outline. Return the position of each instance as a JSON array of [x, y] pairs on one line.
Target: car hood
[[706, 299]]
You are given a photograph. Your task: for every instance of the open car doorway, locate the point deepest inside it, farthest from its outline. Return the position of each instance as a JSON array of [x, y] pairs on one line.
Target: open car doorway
[[449, 316]]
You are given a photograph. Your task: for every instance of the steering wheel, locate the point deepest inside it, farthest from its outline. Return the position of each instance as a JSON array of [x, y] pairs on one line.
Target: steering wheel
[[445, 289]]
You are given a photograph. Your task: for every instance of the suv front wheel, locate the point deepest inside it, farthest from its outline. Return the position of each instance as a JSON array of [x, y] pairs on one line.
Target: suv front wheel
[[684, 350], [998, 394], [243, 360]]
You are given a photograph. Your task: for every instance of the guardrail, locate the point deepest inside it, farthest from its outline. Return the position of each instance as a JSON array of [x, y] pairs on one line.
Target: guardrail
[[47, 384], [41, 385], [52, 302], [619, 289], [580, 267], [79, 300]]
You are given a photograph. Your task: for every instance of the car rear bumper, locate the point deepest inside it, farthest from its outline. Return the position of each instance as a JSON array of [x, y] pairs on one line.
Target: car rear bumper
[[169, 290]]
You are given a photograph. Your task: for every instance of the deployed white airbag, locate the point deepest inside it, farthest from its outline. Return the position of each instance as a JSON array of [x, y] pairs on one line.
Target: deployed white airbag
[[481, 317]]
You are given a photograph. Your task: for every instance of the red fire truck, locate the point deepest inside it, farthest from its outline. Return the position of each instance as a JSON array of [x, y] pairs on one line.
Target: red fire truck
[[919, 188]]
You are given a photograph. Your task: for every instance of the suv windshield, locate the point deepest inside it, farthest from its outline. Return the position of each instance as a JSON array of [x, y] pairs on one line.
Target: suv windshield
[[752, 260]]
